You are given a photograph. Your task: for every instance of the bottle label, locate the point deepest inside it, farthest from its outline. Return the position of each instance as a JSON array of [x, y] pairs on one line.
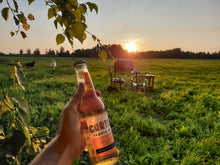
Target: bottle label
[[101, 134]]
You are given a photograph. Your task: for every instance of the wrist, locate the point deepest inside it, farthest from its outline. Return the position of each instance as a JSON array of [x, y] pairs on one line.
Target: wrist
[[59, 145]]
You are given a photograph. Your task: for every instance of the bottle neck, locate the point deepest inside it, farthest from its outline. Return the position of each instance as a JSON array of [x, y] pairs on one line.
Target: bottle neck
[[88, 81], [83, 75]]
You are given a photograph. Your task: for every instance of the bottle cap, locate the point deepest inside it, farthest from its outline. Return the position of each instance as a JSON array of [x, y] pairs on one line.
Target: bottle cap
[[79, 62]]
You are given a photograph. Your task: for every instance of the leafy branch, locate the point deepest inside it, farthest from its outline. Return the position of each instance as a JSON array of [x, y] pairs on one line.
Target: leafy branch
[[18, 16], [16, 134], [69, 15]]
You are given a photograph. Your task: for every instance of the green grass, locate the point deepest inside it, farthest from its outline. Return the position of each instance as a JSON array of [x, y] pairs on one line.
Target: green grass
[[178, 122]]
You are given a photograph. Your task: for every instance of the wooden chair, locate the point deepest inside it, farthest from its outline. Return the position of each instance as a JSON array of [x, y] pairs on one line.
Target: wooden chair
[[145, 81], [116, 80], [139, 81], [150, 79]]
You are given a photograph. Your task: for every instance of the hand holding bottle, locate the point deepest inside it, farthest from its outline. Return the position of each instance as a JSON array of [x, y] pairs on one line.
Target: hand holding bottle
[[69, 143]]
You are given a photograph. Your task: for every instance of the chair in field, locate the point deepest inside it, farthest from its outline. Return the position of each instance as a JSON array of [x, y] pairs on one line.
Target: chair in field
[[150, 79], [139, 81], [144, 81], [115, 79]]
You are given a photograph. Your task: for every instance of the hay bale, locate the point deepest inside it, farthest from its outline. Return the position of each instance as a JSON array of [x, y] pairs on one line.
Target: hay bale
[[123, 66]]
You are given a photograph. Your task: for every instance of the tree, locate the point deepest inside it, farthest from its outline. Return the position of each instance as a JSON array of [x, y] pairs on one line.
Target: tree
[[29, 52], [51, 53], [36, 52], [21, 52], [117, 51], [62, 49]]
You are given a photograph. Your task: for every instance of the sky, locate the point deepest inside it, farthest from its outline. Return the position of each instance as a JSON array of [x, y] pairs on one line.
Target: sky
[[192, 25]]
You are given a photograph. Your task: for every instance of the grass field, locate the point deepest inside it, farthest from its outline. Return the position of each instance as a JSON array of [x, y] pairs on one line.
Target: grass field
[[178, 122]]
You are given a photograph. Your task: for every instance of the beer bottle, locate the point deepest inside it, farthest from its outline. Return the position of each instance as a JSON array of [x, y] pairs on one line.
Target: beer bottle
[[94, 120]]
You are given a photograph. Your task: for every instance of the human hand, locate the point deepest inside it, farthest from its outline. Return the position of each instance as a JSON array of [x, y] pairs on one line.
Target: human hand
[[70, 139], [69, 143], [70, 135]]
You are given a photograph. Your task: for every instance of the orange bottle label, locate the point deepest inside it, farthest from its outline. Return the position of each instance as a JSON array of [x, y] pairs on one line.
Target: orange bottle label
[[101, 135]]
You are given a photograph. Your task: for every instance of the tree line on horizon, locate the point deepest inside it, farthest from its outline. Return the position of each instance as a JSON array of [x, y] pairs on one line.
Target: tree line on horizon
[[116, 51]]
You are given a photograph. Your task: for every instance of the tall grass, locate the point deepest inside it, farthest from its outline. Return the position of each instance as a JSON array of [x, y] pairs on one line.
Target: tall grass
[[178, 122]]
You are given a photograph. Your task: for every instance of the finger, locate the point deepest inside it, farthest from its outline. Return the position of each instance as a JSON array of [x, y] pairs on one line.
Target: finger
[[75, 100], [98, 93]]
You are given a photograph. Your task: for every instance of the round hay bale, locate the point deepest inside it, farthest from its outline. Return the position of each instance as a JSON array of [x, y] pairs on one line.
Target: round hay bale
[[123, 66]]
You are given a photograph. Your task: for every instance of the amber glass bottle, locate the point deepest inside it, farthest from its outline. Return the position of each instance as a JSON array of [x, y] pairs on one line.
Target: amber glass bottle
[[95, 123]]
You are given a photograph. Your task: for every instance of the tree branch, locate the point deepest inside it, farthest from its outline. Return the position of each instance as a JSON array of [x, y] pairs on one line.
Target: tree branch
[[13, 15]]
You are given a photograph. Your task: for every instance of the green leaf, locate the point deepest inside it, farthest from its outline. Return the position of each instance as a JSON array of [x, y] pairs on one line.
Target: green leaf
[[16, 6], [5, 13], [16, 20], [55, 23], [2, 134], [17, 73], [42, 131], [74, 3], [77, 15], [23, 110], [20, 77], [33, 130], [12, 34], [30, 1], [92, 6], [94, 37], [27, 134], [83, 8], [78, 31], [103, 55], [60, 39], [51, 13], [33, 149], [23, 104], [6, 105], [69, 38], [83, 18], [22, 18], [59, 20]]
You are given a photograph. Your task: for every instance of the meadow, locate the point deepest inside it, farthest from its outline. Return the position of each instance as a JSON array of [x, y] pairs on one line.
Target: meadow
[[177, 122]]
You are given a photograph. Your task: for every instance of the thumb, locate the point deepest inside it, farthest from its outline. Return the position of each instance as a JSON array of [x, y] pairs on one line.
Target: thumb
[[76, 99]]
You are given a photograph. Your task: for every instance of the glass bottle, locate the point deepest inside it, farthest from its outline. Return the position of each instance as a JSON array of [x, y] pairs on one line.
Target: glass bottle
[[94, 120]]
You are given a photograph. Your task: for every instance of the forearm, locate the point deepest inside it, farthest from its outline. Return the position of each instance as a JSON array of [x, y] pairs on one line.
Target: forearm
[[52, 155]]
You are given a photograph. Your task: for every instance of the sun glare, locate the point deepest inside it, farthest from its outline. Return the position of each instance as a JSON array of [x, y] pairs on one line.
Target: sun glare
[[131, 47]]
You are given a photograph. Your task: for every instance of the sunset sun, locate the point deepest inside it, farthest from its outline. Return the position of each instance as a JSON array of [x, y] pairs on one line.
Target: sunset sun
[[130, 47]]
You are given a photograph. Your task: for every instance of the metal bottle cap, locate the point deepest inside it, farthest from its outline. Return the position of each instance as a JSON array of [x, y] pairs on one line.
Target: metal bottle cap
[[79, 62]]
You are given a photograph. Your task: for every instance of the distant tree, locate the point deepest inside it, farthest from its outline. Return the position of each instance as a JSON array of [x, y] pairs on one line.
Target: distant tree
[[21, 52], [62, 51], [51, 53], [67, 53], [117, 51], [1, 54], [46, 52], [36, 52], [29, 52]]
